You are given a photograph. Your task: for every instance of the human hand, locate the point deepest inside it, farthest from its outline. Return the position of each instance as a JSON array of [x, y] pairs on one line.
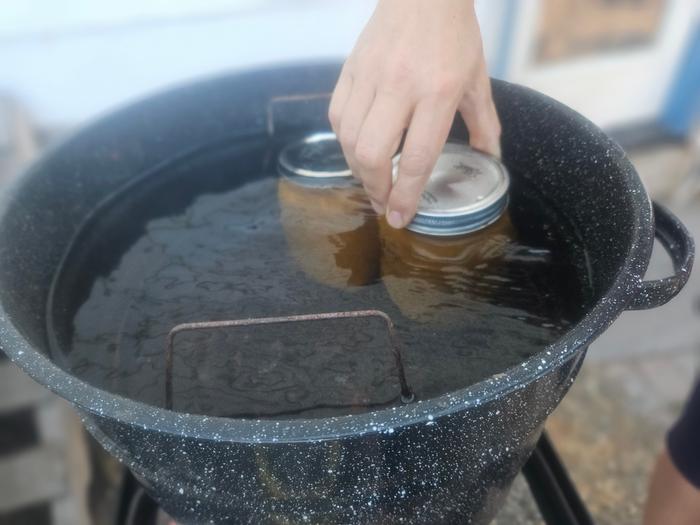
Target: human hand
[[415, 65]]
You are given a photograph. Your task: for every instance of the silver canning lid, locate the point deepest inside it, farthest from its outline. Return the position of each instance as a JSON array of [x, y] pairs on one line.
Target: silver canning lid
[[467, 191], [315, 160]]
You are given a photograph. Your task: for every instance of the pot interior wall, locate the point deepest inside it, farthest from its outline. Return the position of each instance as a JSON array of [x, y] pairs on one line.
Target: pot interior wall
[[578, 170]]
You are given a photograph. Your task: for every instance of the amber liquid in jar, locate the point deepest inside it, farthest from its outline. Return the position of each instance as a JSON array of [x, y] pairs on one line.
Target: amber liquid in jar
[[331, 232], [431, 278]]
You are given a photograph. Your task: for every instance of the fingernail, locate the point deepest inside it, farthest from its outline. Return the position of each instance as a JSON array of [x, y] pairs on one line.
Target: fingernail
[[497, 151], [395, 220], [377, 207]]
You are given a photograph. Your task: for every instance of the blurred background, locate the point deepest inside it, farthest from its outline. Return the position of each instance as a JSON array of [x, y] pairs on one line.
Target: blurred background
[[631, 66]]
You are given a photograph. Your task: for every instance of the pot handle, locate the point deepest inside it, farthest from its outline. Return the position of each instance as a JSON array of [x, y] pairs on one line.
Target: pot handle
[[678, 242]]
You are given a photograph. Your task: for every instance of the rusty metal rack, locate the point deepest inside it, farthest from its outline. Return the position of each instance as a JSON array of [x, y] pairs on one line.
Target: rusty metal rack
[[407, 395]]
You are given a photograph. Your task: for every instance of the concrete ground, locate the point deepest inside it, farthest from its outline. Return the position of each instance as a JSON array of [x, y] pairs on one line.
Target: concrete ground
[[608, 429]]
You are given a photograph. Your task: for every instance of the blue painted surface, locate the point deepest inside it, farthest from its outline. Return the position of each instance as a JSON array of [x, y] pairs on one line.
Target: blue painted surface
[[499, 68], [682, 107]]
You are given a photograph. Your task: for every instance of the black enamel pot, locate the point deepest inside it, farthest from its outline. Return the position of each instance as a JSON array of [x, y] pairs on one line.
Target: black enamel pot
[[445, 460]]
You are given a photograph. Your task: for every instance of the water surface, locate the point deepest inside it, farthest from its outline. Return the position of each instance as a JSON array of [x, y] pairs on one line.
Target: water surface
[[213, 236]]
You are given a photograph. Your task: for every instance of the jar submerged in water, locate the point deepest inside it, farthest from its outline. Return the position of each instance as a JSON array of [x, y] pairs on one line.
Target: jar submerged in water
[[329, 224], [467, 191], [432, 279], [431, 270], [434, 269]]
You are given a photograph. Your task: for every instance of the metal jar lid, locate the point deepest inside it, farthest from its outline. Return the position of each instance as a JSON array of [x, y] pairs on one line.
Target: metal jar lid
[[467, 191], [316, 160]]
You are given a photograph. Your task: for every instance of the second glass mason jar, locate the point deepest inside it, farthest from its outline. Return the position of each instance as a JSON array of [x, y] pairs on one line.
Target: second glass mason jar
[[440, 264], [329, 224]]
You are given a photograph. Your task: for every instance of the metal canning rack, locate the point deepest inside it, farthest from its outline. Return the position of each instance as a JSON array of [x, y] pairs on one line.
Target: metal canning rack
[[407, 395]]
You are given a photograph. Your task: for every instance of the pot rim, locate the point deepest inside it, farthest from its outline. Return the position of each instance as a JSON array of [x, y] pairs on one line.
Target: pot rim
[[104, 404]]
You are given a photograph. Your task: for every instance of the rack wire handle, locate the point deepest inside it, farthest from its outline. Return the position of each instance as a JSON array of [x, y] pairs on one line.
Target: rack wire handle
[[407, 395]]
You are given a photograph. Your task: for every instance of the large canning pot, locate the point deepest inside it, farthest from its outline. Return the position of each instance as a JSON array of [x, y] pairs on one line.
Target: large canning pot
[[450, 459]]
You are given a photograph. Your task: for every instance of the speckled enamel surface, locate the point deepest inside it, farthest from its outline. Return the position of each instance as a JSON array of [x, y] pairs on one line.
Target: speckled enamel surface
[[446, 460]]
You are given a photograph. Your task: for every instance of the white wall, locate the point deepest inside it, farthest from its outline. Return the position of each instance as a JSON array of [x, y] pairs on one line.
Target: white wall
[[69, 60], [68, 69]]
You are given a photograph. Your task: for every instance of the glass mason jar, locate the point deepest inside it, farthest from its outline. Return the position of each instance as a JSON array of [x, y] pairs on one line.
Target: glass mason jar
[[435, 279]]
